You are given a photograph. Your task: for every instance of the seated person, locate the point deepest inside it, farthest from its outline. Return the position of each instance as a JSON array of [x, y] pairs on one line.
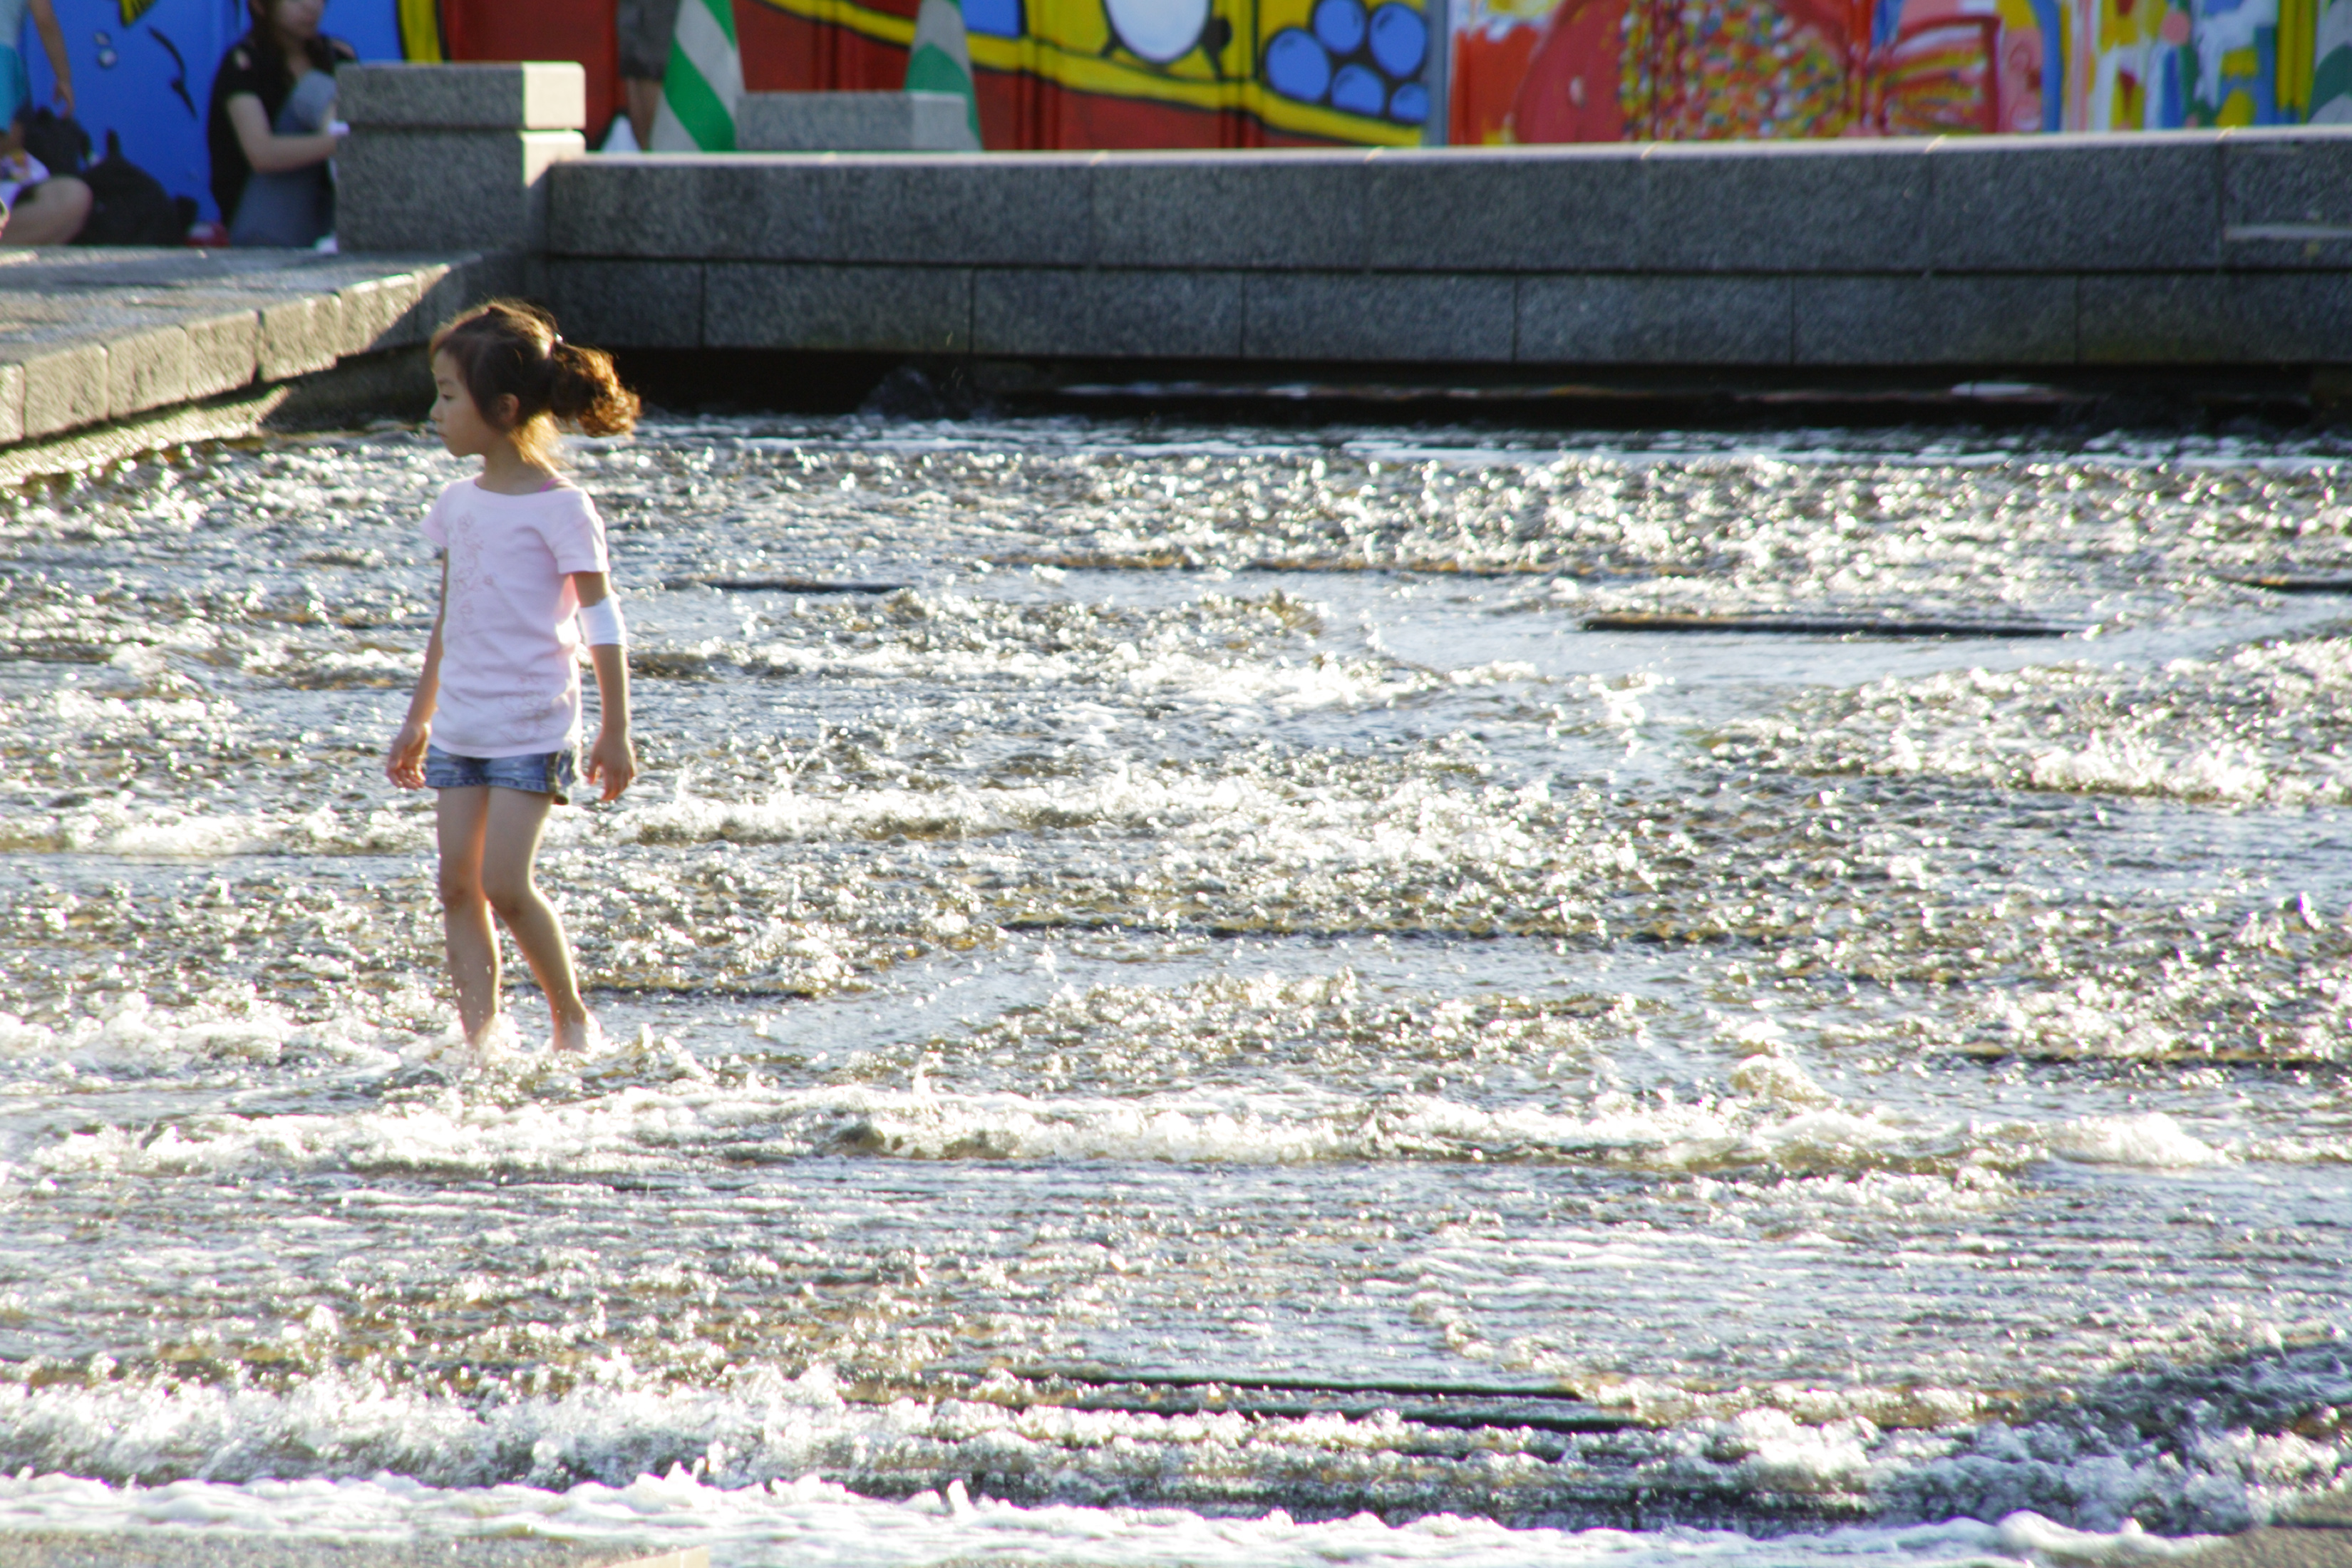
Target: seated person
[[40, 209], [271, 127]]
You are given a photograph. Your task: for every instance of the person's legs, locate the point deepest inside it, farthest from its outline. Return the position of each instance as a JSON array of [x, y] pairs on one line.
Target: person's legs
[[645, 102], [51, 213], [461, 818], [517, 817], [646, 28]]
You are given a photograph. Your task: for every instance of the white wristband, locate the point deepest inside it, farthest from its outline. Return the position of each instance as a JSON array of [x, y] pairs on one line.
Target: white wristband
[[601, 622]]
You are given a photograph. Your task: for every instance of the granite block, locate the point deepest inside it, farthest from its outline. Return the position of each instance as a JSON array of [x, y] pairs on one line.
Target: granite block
[[446, 190], [648, 205], [64, 380], [1290, 209], [1692, 319], [2286, 198], [1371, 316], [1505, 208], [942, 123], [418, 288], [627, 304], [874, 309], [1781, 206], [299, 335], [376, 310], [2025, 204], [223, 348], [1937, 319], [2216, 318], [223, 332], [367, 313], [145, 368], [853, 123], [911, 208], [531, 95], [1147, 314], [929, 209]]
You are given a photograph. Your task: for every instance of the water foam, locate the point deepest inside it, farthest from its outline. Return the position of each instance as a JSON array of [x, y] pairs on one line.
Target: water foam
[[812, 1523]]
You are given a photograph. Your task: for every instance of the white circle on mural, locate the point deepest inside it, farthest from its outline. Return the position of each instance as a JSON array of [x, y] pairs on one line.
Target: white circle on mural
[[1161, 31]]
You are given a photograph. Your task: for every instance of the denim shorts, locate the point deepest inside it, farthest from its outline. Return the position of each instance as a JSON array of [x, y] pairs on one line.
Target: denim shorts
[[535, 773]]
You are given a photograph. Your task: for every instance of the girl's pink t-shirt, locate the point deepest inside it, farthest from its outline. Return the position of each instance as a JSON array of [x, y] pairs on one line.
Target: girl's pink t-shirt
[[510, 661]]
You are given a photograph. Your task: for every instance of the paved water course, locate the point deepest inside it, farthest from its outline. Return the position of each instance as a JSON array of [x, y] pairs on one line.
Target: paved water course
[[2314, 1544], [190, 1549], [2310, 1546]]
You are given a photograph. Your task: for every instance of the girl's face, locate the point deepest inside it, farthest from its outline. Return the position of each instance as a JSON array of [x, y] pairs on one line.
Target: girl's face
[[465, 430], [294, 19]]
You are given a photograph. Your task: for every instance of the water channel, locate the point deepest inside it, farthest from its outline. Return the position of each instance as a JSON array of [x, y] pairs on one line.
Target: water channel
[[1234, 1003]]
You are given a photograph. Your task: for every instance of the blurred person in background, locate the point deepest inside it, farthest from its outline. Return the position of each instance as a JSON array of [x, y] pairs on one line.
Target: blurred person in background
[[271, 126], [646, 28], [40, 209]]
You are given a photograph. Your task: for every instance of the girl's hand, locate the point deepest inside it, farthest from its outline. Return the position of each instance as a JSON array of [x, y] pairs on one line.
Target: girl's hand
[[611, 764], [404, 763]]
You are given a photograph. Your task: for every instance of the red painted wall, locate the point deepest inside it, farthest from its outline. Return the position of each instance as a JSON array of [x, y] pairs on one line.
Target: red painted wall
[[579, 30], [782, 53]]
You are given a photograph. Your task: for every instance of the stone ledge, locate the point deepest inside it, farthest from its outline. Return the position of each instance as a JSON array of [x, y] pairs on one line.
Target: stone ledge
[[1793, 319], [89, 338], [2163, 201]]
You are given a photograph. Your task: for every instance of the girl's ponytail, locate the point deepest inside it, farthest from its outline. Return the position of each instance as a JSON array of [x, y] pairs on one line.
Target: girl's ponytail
[[508, 348], [585, 391]]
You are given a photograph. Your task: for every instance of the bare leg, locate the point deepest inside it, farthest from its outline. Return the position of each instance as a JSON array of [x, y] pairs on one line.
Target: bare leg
[[516, 821], [460, 817], [52, 215], [645, 102]]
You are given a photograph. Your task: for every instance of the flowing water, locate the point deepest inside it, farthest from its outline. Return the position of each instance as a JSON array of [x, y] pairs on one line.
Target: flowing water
[[1218, 1023]]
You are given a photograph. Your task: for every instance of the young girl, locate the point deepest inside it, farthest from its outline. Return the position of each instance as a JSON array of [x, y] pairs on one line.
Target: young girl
[[522, 557]]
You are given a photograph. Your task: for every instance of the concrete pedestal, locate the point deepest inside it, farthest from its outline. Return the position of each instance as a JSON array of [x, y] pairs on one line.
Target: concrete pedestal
[[438, 151]]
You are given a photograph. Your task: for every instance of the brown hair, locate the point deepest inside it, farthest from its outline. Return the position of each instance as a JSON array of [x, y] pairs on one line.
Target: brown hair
[[509, 349]]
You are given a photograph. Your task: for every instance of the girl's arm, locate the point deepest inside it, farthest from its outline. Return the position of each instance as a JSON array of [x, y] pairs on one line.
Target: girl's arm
[[53, 43], [404, 763], [268, 152], [612, 761]]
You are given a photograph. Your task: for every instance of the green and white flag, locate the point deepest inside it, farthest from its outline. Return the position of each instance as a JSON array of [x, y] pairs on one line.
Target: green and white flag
[[939, 60], [704, 82]]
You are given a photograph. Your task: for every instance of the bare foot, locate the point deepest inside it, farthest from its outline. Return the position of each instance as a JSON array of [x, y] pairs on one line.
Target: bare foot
[[582, 1034]]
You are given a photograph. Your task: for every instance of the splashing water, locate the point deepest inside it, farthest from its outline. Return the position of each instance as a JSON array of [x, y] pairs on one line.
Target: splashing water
[[1223, 924]]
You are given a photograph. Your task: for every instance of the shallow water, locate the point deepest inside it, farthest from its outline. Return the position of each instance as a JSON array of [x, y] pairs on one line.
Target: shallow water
[[1223, 921]]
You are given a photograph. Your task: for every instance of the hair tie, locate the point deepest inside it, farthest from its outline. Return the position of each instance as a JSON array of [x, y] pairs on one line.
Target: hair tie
[[554, 342]]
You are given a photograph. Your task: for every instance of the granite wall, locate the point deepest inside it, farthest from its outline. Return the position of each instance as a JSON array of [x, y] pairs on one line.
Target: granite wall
[[2181, 248]]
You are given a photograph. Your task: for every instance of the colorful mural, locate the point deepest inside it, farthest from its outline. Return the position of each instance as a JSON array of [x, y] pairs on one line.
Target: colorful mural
[[143, 68], [1242, 73], [1606, 70], [1131, 73]]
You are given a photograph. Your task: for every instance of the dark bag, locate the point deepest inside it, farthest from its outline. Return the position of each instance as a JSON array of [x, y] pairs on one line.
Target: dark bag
[[57, 141], [129, 205]]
